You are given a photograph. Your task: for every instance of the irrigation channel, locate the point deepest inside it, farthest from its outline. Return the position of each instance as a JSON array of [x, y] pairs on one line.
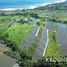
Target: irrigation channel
[[62, 38]]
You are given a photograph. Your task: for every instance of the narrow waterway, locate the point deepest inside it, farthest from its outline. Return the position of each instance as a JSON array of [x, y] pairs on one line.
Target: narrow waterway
[[40, 50], [50, 25], [62, 38]]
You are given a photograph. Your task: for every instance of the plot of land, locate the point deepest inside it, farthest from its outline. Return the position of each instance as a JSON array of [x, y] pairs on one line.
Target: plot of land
[[52, 49]]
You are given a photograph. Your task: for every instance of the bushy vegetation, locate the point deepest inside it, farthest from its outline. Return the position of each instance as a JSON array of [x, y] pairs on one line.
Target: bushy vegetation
[[53, 15], [58, 16], [40, 24]]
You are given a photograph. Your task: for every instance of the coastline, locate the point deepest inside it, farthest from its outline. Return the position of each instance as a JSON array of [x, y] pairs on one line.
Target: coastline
[[29, 7]]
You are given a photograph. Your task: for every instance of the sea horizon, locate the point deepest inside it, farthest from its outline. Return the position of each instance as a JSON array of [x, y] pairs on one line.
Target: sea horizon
[[32, 6]]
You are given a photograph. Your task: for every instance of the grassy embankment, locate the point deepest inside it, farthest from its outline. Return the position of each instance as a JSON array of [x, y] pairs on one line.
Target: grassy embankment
[[52, 49]]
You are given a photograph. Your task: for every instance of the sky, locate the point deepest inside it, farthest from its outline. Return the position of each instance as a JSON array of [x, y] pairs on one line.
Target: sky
[[25, 3]]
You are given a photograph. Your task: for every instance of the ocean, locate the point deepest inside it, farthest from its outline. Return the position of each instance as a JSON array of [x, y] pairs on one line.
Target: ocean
[[12, 4]]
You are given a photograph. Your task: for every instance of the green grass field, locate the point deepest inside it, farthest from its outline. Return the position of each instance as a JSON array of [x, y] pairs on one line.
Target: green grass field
[[18, 32], [52, 49], [4, 22]]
